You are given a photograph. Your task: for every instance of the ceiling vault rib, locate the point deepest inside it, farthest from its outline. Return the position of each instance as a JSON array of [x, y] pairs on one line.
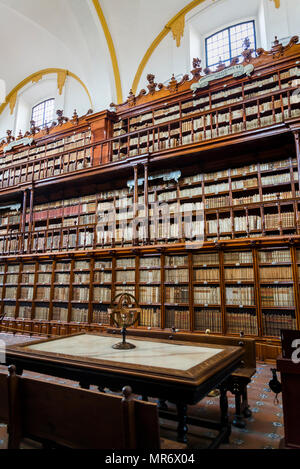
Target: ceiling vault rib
[[34, 78], [170, 26], [112, 50]]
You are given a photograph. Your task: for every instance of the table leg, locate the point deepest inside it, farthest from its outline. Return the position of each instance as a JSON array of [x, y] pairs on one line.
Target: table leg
[[245, 406], [224, 412], [238, 419], [182, 428]]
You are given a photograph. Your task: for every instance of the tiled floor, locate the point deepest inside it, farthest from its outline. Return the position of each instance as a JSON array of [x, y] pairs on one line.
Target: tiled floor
[[264, 429]]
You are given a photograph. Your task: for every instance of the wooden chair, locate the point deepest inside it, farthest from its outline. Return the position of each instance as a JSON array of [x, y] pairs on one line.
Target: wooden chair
[[56, 414]]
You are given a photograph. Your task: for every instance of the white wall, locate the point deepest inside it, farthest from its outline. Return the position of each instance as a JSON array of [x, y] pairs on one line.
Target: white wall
[[210, 17], [73, 97]]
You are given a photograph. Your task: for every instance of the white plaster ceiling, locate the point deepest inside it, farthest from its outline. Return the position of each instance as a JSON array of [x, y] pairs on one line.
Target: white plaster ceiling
[[67, 34]]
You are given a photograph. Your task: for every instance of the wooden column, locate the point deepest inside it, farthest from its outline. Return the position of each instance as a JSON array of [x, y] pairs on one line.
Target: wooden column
[[146, 202], [135, 205], [297, 142], [30, 217], [23, 220]]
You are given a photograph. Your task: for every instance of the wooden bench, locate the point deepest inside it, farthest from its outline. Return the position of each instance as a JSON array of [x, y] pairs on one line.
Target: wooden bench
[[239, 380], [64, 416]]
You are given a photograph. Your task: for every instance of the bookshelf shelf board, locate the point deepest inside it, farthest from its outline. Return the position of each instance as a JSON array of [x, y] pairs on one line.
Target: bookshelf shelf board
[[206, 305], [100, 302], [292, 308], [276, 282], [206, 282], [79, 302], [104, 284], [239, 282], [151, 283], [241, 307]]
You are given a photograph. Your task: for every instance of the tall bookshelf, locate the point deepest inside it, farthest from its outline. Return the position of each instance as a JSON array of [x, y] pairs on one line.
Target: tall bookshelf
[[223, 160]]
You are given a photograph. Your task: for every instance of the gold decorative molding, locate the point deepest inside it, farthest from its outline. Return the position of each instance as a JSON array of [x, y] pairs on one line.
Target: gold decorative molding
[[61, 79], [276, 3], [37, 78], [34, 78], [12, 102], [177, 28], [111, 49], [160, 37]]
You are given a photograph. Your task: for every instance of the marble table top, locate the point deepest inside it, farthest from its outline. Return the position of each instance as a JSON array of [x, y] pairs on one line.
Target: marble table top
[[147, 352]]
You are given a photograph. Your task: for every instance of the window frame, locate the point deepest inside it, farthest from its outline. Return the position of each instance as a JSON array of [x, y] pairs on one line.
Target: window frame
[[229, 36], [38, 104]]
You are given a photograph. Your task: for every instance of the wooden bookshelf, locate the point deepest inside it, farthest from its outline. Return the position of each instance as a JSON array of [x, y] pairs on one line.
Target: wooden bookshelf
[[106, 203]]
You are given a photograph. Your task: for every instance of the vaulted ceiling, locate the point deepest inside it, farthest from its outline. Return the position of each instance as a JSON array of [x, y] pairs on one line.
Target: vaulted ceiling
[[108, 45]]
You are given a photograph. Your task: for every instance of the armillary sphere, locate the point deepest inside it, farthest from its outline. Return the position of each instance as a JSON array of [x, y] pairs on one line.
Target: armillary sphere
[[124, 311]]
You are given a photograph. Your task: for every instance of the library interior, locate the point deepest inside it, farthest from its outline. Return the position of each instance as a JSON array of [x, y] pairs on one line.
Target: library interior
[[150, 224]]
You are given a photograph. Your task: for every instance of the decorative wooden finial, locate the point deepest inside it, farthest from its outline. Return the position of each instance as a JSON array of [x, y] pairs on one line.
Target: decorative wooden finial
[[75, 117], [196, 68], [10, 137], [131, 98], [33, 128], [173, 84], [126, 391], [12, 370], [152, 85], [60, 117]]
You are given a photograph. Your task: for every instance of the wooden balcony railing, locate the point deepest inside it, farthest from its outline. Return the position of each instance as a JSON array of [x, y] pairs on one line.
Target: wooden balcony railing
[[242, 116]]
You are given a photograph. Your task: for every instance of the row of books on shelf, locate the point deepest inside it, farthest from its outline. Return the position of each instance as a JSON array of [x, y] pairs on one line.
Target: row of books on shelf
[[227, 96], [178, 318], [241, 295], [274, 321], [153, 295], [281, 296], [245, 321], [207, 295], [178, 294], [210, 319], [275, 273], [63, 144], [150, 317], [232, 274], [236, 321], [279, 109]]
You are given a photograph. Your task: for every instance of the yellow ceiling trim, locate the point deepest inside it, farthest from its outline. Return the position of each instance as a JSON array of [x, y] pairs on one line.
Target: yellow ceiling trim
[[277, 3], [178, 19], [37, 76], [112, 51]]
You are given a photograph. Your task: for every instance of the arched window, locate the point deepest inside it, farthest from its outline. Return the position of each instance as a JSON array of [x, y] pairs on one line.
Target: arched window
[[42, 113], [228, 43]]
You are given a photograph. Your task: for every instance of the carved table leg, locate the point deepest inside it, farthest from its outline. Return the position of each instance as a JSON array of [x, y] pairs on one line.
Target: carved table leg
[[245, 406], [182, 425], [236, 387], [238, 419], [224, 412]]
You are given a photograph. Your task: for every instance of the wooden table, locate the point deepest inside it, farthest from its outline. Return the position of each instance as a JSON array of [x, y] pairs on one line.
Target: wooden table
[[180, 372]]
